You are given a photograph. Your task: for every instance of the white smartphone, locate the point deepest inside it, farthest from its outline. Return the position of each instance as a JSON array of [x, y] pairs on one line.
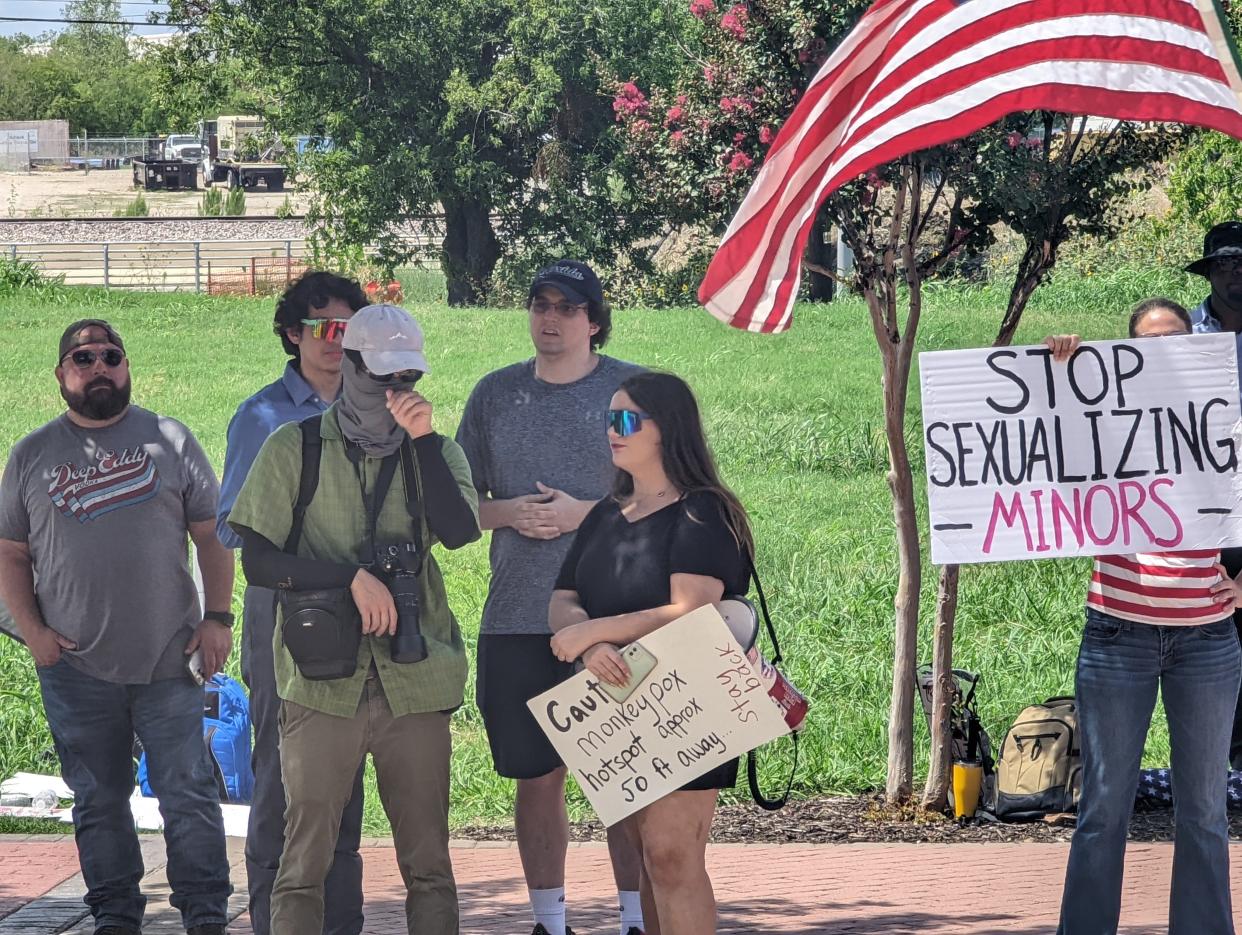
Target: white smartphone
[[194, 665], [640, 662]]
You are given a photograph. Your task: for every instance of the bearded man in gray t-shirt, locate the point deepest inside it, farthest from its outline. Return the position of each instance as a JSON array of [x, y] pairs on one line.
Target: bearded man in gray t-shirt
[[96, 510], [535, 435]]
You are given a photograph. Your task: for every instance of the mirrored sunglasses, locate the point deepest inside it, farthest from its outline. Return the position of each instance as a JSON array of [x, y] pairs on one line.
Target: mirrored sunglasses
[[326, 329], [626, 421], [86, 358]]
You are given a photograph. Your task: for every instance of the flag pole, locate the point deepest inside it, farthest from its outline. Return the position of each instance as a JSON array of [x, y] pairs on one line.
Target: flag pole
[[1216, 25]]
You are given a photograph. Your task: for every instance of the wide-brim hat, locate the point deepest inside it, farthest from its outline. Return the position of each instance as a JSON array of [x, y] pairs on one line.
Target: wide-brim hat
[[1221, 241], [387, 337]]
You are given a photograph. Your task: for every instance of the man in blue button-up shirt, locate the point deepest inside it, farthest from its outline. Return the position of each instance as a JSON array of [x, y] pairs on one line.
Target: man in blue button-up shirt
[[310, 321]]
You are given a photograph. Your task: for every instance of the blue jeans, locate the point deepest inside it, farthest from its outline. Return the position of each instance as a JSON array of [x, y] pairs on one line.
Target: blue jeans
[[1120, 665], [93, 723]]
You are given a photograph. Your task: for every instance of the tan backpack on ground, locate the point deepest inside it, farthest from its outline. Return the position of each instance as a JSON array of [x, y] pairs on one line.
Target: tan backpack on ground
[[1039, 770]]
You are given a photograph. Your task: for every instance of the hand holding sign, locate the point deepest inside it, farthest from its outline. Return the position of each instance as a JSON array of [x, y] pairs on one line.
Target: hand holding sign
[[1128, 446], [702, 704]]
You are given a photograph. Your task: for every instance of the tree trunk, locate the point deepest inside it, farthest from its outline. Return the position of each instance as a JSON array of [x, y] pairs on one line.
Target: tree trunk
[[821, 253], [940, 770], [1039, 257], [470, 249]]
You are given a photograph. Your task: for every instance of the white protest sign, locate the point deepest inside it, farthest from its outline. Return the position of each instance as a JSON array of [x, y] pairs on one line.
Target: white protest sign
[[702, 705], [1131, 446]]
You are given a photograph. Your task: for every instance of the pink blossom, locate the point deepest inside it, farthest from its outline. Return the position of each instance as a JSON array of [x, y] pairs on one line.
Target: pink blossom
[[734, 22], [640, 127], [758, 93], [739, 137], [700, 8], [709, 74], [765, 135], [675, 113], [740, 161], [681, 100], [875, 180], [1014, 139], [677, 139], [629, 102], [727, 104]]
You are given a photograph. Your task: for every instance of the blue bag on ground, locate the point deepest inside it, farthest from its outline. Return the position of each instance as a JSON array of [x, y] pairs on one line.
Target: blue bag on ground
[[226, 731]]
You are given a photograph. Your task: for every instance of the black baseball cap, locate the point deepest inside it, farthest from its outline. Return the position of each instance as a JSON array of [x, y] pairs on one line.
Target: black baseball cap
[[1221, 241], [84, 332], [577, 280]]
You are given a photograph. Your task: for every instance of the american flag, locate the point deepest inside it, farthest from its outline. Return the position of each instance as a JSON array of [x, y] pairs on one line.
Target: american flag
[[918, 73]]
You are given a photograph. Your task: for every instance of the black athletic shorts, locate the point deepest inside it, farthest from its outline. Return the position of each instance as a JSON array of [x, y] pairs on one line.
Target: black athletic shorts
[[512, 670]]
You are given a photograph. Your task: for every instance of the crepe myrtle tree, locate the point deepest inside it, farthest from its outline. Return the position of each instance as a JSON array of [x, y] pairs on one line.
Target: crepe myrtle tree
[[1047, 177], [484, 120]]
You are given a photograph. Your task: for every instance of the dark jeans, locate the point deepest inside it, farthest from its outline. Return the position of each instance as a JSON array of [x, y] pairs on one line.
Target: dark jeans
[[1120, 666], [265, 836], [93, 724], [1232, 560]]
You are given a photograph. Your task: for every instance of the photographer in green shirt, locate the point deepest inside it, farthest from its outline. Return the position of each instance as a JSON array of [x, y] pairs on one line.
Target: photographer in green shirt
[[369, 658]]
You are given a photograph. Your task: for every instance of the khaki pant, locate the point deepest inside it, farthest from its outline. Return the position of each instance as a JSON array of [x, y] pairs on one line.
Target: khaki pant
[[319, 755]]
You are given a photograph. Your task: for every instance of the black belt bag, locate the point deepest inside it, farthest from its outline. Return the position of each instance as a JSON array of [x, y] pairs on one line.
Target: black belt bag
[[322, 631]]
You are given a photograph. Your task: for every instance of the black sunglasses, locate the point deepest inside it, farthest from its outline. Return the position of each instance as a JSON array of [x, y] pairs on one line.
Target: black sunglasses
[[86, 358]]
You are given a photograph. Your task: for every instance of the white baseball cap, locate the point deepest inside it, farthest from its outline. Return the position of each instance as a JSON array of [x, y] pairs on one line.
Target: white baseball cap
[[387, 337]]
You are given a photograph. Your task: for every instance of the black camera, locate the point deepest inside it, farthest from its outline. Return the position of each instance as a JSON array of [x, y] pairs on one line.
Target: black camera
[[399, 566]]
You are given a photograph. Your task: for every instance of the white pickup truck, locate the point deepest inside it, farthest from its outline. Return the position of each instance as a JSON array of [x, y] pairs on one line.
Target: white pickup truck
[[184, 146]]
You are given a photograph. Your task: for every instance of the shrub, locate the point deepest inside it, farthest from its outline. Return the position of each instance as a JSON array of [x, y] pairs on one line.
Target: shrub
[[17, 274], [212, 204], [235, 203], [137, 208]]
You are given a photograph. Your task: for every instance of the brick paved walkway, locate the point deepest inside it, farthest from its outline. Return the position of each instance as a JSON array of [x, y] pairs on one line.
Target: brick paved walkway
[[854, 889]]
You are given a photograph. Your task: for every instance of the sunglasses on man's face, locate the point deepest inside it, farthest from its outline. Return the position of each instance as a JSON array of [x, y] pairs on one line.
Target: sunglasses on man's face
[[626, 421], [326, 329], [401, 376], [86, 358]]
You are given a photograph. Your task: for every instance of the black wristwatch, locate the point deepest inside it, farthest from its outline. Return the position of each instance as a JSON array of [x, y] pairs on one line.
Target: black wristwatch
[[219, 616]]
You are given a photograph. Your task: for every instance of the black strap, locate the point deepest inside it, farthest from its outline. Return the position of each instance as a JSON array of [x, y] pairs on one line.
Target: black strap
[[413, 496], [312, 446], [763, 605], [752, 763], [752, 777], [375, 502]]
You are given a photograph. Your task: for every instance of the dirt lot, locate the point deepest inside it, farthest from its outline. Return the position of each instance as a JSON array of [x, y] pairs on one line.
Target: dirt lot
[[101, 192]]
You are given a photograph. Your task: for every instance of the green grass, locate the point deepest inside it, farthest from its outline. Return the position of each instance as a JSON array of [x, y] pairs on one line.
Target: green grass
[[795, 420]]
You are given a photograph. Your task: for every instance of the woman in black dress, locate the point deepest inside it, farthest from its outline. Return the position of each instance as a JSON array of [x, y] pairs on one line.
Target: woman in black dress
[[669, 539]]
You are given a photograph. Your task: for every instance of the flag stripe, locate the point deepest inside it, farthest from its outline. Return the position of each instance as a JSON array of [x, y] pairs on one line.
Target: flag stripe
[[917, 73]]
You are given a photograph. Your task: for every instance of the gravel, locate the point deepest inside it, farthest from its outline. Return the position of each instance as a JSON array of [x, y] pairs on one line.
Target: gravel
[[120, 230]]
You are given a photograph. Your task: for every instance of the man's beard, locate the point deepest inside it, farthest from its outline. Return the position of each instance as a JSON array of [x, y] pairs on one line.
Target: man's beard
[[98, 405]]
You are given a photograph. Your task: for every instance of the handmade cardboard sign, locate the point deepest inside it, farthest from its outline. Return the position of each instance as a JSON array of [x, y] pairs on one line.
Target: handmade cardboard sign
[[702, 704], [1130, 446]]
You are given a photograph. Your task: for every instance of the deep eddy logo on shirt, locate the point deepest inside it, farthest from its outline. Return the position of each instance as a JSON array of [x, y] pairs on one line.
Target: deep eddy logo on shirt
[[116, 480]]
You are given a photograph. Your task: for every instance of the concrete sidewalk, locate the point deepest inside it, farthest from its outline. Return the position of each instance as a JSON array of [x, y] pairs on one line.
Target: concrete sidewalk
[[860, 889]]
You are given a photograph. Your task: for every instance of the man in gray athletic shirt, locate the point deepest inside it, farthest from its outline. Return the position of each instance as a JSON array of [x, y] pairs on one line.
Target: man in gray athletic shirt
[[534, 433]]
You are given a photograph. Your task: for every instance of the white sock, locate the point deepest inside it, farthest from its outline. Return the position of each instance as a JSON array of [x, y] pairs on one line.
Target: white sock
[[631, 910], [549, 909]]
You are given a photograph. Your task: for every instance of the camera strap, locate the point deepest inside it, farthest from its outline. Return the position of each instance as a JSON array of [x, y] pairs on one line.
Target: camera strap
[[374, 503], [413, 497]]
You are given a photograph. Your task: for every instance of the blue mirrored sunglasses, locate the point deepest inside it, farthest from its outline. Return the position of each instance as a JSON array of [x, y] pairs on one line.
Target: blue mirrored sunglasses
[[626, 421]]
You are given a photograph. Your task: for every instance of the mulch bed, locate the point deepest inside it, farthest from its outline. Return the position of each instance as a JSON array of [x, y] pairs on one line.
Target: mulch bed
[[864, 818]]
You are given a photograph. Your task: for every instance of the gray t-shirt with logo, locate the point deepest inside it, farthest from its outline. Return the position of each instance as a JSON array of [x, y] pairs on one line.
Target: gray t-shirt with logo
[[105, 513], [516, 430]]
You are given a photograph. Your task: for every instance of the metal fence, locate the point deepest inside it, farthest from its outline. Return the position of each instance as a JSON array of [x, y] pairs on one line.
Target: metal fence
[[234, 266], [107, 151]]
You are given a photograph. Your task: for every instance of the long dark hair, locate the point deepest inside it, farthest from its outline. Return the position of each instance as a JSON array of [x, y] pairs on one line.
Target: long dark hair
[[686, 458]]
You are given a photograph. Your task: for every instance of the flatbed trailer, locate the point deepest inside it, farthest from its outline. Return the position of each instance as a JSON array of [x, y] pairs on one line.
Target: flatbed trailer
[[270, 175]]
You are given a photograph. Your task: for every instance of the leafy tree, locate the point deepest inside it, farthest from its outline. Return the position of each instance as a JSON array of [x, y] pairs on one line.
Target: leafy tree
[[702, 139], [492, 112]]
